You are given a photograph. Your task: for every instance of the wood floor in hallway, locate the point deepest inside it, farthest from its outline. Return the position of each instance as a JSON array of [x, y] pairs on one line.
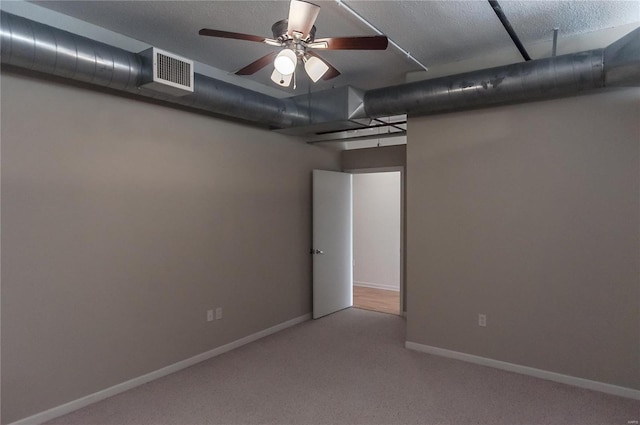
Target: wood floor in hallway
[[376, 299]]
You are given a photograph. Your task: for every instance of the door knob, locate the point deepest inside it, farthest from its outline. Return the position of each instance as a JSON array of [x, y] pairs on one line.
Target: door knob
[[316, 251]]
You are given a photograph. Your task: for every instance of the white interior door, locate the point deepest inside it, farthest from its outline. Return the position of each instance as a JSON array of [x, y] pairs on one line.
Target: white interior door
[[332, 242]]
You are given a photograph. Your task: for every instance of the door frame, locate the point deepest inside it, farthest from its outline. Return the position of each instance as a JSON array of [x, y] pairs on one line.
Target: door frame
[[403, 225]]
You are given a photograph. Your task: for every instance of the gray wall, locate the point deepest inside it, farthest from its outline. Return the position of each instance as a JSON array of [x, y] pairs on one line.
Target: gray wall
[[376, 230], [529, 214], [123, 222]]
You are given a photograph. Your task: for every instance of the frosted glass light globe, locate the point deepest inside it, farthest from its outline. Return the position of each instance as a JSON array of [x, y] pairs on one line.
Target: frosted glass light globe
[[286, 62], [315, 68]]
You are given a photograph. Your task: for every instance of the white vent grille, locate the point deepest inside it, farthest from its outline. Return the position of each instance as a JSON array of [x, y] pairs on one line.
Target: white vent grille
[[171, 73], [174, 70]]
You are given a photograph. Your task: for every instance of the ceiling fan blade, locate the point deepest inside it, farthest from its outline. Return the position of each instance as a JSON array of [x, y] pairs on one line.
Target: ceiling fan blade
[[256, 66], [234, 35], [302, 16], [375, 42], [331, 72]]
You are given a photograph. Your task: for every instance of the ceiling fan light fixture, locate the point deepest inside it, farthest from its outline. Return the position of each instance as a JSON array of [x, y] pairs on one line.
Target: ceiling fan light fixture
[[280, 79], [315, 67], [302, 16], [285, 62]]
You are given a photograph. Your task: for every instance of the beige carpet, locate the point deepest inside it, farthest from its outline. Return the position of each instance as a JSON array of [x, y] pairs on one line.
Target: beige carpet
[[350, 368]]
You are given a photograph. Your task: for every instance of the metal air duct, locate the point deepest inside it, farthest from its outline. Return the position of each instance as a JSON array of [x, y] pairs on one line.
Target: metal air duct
[[35, 46], [38, 47], [616, 65], [526, 81], [622, 61]]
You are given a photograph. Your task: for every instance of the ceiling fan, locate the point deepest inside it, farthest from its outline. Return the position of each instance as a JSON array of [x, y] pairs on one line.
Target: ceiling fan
[[296, 36]]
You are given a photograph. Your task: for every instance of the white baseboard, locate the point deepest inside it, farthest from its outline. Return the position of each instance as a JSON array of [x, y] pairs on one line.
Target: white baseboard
[[377, 286], [525, 370], [74, 405]]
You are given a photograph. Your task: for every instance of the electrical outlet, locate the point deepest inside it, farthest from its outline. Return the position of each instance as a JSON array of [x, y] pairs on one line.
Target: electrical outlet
[[209, 315], [482, 320], [218, 313]]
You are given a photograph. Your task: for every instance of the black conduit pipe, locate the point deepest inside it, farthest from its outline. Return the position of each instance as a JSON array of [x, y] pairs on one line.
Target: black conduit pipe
[[507, 26]]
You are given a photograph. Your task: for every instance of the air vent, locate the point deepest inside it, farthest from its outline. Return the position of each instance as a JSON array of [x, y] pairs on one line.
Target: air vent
[[167, 73]]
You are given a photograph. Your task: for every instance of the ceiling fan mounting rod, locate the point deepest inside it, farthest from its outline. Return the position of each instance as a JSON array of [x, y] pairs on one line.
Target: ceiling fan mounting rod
[[300, 50], [373, 27]]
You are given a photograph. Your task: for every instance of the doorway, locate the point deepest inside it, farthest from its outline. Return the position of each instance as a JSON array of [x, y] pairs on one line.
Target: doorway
[[377, 240]]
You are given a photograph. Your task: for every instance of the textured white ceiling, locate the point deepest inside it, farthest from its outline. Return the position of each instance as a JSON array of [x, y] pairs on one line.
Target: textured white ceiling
[[437, 33]]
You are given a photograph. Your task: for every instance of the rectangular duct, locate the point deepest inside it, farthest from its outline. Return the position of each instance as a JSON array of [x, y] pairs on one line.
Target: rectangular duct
[[166, 73], [329, 110]]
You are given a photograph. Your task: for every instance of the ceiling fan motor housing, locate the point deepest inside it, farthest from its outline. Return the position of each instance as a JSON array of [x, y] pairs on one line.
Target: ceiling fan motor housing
[[280, 29]]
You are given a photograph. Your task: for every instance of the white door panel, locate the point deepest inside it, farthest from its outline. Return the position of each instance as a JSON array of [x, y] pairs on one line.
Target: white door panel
[[332, 242]]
